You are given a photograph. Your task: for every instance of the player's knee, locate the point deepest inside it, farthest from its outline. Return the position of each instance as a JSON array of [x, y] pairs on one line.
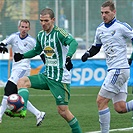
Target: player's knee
[[120, 109], [99, 102], [23, 82], [10, 88], [62, 112]]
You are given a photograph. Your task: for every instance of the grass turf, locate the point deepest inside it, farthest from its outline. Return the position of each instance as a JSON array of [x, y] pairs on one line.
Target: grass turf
[[82, 105]]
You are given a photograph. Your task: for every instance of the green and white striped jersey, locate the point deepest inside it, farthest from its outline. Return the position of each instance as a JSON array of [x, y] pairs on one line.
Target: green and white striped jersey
[[57, 45]]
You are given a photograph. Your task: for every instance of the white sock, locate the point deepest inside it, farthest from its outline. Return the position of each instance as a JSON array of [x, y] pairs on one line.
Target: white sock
[[104, 119], [129, 106], [32, 109], [3, 105]]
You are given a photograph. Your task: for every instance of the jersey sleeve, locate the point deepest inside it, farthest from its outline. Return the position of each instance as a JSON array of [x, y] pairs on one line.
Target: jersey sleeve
[[72, 48], [35, 51], [9, 40], [127, 31], [97, 41], [69, 41]]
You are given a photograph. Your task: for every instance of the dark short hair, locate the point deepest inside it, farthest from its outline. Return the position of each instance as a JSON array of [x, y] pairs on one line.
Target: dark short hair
[[109, 3], [24, 20], [47, 11]]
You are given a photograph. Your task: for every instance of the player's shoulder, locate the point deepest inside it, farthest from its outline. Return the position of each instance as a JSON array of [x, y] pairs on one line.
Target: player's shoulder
[[100, 25], [61, 31], [15, 34], [31, 38], [40, 32], [123, 24]]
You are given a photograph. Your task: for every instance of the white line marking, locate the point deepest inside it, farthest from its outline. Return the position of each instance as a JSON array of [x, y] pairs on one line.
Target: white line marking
[[113, 130]]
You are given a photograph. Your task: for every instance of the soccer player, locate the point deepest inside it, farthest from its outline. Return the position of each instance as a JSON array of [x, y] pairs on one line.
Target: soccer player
[[58, 47], [111, 34], [21, 42]]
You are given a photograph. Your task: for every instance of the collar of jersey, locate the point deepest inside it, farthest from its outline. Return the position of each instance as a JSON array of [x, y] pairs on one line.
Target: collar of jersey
[[107, 25], [22, 38]]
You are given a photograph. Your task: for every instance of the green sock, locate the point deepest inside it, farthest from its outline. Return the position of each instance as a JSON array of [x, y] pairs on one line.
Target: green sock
[[75, 126], [25, 94]]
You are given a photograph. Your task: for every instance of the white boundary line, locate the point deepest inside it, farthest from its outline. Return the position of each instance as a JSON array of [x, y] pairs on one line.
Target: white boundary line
[[113, 130]]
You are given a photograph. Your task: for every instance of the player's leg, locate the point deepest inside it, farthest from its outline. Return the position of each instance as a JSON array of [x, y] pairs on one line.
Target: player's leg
[[107, 92], [61, 93], [25, 94], [9, 89], [39, 115], [103, 110], [120, 104], [64, 111], [33, 82], [111, 87], [119, 100], [15, 76]]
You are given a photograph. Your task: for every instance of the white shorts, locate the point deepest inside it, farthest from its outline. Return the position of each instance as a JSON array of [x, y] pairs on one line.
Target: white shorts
[[122, 96], [116, 80], [16, 74]]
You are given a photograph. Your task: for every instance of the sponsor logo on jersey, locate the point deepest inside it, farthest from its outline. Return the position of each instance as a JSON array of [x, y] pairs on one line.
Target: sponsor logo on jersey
[[49, 51], [51, 62]]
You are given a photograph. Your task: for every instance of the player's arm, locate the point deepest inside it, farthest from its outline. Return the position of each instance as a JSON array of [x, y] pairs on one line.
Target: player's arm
[[130, 59], [30, 54], [3, 48], [68, 40], [71, 42], [43, 57], [72, 48], [90, 53]]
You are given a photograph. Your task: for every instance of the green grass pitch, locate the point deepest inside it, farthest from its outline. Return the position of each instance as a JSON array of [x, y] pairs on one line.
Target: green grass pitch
[[82, 105]]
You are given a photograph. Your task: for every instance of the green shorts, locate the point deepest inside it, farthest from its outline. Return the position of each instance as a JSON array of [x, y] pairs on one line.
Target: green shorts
[[61, 91]]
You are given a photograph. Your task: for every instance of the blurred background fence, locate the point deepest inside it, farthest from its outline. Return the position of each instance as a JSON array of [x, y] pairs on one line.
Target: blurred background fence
[[79, 17]]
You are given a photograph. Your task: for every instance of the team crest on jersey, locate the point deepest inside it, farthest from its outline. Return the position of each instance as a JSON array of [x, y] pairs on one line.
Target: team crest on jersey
[[49, 51], [25, 44], [113, 32]]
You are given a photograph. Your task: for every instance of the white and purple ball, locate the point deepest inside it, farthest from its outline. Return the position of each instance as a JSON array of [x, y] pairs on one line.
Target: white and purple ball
[[15, 102]]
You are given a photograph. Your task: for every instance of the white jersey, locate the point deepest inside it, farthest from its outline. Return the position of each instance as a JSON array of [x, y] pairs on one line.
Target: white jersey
[[20, 45], [112, 37]]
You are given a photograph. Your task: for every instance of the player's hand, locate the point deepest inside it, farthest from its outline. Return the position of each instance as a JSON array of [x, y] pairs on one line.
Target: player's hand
[[68, 64], [18, 57], [2, 44], [43, 58], [3, 49], [129, 62], [85, 56]]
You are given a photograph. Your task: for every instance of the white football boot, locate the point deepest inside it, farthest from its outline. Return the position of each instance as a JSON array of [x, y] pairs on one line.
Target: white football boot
[[40, 118]]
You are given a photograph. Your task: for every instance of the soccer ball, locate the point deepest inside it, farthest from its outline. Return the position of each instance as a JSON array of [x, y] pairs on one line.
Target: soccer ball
[[15, 103]]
